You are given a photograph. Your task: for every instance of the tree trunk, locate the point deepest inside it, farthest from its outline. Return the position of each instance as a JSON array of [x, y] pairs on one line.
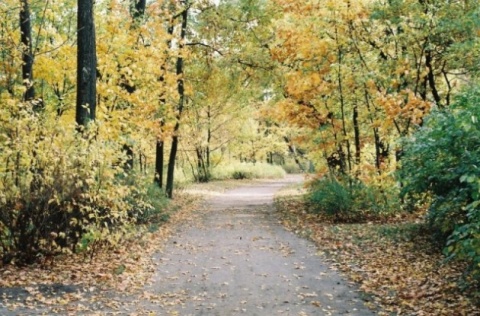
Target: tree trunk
[[342, 109], [356, 129], [27, 53], [181, 93], [209, 137], [159, 163], [86, 64], [139, 9], [293, 152], [159, 154], [431, 78]]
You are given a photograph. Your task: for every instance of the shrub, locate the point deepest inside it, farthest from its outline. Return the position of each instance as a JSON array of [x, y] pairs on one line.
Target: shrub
[[148, 203], [56, 186], [348, 199], [291, 167], [441, 160], [328, 195]]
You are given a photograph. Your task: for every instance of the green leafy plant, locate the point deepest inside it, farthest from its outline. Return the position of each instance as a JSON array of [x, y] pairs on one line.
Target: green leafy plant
[[330, 196], [441, 159], [349, 199]]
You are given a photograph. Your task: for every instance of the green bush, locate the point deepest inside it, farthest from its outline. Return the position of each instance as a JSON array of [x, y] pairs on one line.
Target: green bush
[[239, 175], [149, 204], [348, 199], [330, 196], [441, 161], [291, 167]]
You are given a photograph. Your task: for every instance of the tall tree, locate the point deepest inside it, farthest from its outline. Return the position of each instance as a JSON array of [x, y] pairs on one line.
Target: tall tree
[[181, 100], [27, 53], [160, 142], [86, 64]]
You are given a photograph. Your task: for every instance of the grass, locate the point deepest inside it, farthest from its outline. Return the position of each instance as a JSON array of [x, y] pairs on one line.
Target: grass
[[242, 170]]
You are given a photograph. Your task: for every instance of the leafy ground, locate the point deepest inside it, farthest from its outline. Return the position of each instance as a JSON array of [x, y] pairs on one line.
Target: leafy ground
[[77, 283], [396, 263], [229, 256]]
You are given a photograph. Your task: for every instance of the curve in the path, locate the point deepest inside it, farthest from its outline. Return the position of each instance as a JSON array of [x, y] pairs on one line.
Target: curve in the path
[[238, 260]]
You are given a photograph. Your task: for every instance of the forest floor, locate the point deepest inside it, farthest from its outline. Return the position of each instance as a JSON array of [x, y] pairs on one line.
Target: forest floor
[[233, 253], [395, 261], [227, 256]]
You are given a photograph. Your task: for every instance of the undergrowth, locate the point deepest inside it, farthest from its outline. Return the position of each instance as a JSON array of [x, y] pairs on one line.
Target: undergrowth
[[243, 170], [345, 199]]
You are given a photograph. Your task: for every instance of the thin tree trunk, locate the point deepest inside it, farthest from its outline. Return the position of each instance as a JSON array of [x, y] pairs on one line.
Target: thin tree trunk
[[293, 151], [431, 78], [209, 138], [376, 136], [159, 163], [181, 101], [159, 155], [342, 109], [27, 53], [86, 64], [356, 129]]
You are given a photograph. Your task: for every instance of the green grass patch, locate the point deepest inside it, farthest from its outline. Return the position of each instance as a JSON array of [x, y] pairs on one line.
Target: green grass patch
[[242, 170]]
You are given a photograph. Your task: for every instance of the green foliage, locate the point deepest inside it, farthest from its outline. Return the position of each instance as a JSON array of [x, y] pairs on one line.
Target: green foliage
[[332, 197], [348, 199], [242, 170], [148, 205], [291, 167], [441, 159]]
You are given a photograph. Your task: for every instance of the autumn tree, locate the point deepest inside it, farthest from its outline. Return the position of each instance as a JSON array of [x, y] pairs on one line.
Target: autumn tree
[[181, 98], [357, 73]]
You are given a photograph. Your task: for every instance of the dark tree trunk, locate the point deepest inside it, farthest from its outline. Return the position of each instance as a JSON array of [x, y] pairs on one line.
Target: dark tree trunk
[[27, 53], [431, 78], [139, 9], [209, 137], [128, 165], [159, 163], [86, 64], [356, 129], [181, 93], [342, 109], [159, 154]]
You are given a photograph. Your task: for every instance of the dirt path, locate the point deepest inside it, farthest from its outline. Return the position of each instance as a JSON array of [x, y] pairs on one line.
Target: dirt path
[[234, 259], [239, 261]]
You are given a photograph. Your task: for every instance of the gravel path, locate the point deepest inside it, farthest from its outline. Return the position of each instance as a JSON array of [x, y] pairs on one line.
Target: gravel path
[[238, 260]]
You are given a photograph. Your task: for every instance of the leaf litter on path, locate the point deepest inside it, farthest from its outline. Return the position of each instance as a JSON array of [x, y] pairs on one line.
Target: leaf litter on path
[[394, 263], [228, 258]]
